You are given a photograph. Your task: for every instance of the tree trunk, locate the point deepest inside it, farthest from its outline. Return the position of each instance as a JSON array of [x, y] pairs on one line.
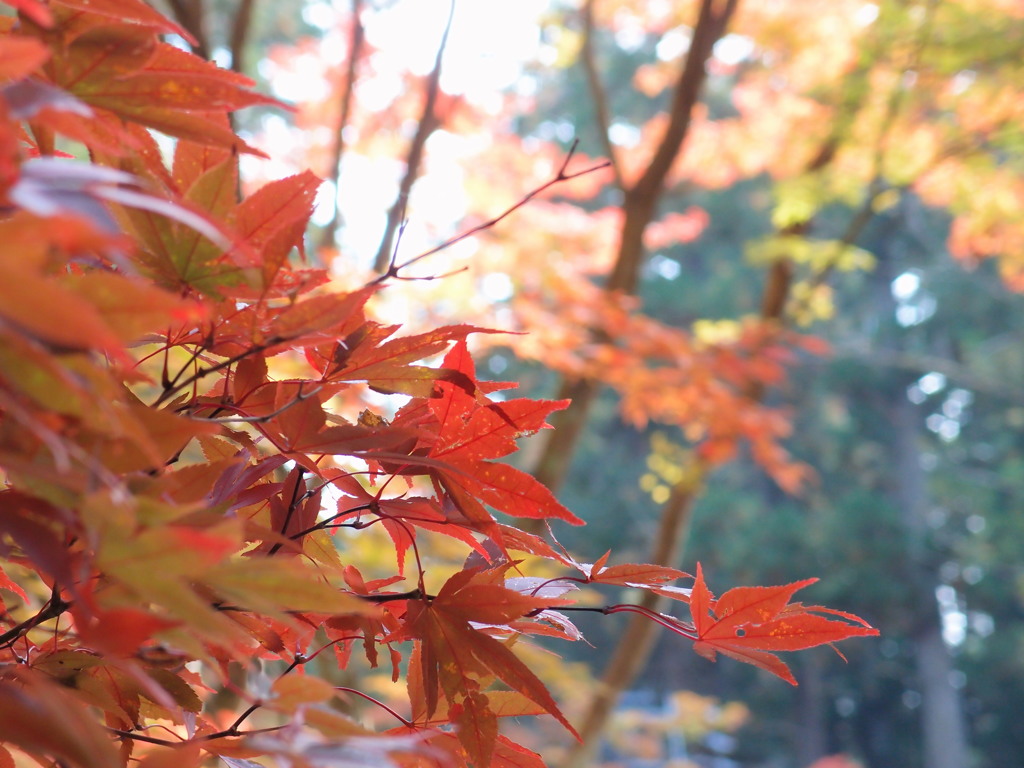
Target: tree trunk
[[636, 642], [812, 729], [640, 205], [942, 721]]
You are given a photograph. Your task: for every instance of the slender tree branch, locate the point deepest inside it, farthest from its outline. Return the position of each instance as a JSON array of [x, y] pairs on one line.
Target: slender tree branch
[[639, 207], [560, 177], [780, 275], [641, 200], [300, 396], [240, 30], [412, 594], [173, 387], [292, 504], [598, 93], [166, 380], [233, 728], [147, 739], [53, 608], [920, 364], [190, 14], [226, 733], [328, 523], [711, 24], [372, 700], [357, 38], [427, 125]]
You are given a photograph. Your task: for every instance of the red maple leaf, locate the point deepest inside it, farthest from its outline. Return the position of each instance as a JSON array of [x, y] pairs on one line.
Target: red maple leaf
[[746, 623], [466, 429], [458, 657]]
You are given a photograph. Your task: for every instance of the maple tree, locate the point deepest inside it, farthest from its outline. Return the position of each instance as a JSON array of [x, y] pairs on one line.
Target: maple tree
[[841, 116], [186, 449]]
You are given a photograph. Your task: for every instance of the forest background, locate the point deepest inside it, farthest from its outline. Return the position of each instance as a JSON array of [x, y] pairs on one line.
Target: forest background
[[785, 314], [849, 169]]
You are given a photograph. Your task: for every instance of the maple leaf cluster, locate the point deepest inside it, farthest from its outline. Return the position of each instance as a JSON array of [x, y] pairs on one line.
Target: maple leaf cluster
[[171, 502]]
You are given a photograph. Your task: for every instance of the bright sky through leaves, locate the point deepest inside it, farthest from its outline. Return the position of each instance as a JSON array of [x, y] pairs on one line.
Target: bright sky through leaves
[[487, 47]]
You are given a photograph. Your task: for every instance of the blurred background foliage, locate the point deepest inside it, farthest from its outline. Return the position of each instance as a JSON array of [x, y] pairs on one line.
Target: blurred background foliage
[[866, 154]]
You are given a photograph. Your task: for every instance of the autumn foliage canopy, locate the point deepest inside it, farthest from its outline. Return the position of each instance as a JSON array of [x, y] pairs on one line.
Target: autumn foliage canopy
[[174, 506]]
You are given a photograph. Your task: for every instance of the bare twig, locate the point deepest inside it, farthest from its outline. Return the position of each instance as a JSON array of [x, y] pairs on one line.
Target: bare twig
[[598, 93], [427, 125], [561, 176], [357, 37], [640, 202], [378, 702], [174, 386], [295, 501]]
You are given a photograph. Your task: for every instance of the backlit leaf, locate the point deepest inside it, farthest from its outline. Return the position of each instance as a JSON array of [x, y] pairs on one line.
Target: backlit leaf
[[746, 623], [42, 719]]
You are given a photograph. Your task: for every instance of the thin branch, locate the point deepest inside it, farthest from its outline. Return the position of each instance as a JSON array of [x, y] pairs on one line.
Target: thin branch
[[920, 364], [428, 278], [227, 733], [598, 93], [190, 15], [427, 125], [854, 228], [233, 728], [300, 396], [670, 623], [635, 643], [174, 387], [639, 207], [53, 608], [357, 38], [170, 382], [291, 508], [412, 594], [381, 704], [560, 177], [709, 29], [147, 739], [777, 288], [866, 212], [240, 34], [329, 522]]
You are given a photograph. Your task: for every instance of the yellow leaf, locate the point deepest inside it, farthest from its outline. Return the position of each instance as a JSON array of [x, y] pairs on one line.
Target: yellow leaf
[[276, 585], [293, 691]]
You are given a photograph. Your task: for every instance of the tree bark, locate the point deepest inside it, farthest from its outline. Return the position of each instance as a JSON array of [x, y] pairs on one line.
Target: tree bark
[[942, 721], [240, 29], [557, 447], [636, 642], [812, 729], [640, 205]]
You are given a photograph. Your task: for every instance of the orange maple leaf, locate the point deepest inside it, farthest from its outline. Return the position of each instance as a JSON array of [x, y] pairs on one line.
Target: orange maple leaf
[[457, 656], [747, 622]]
